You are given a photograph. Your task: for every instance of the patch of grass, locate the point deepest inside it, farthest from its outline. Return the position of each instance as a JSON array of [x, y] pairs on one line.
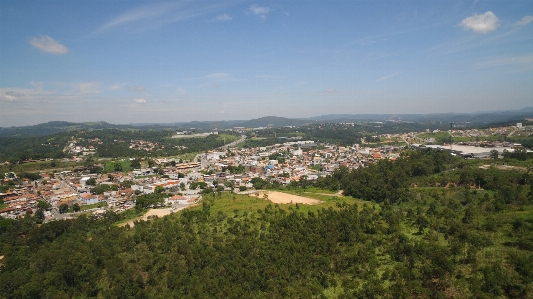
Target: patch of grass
[[94, 205], [188, 156], [110, 166]]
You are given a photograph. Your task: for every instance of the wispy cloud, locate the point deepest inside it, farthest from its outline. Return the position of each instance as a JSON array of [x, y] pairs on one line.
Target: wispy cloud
[[525, 20], [516, 63], [155, 15], [50, 91], [484, 23], [260, 11], [216, 76], [138, 14], [389, 76], [271, 77], [223, 18], [47, 44], [87, 87]]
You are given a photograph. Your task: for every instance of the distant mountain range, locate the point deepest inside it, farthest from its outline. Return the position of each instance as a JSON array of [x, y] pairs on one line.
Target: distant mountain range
[[475, 119]]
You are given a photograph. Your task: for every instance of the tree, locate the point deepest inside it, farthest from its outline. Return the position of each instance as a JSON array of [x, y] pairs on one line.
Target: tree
[[242, 188], [39, 215], [41, 204], [91, 182], [126, 184], [89, 161], [135, 164], [494, 154], [159, 189], [117, 167], [63, 208], [151, 163], [76, 207]]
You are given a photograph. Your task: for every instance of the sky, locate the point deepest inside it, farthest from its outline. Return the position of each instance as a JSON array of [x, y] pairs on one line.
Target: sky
[[178, 61]]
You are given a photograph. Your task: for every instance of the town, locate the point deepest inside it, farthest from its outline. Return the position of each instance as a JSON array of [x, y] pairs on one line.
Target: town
[[229, 168]]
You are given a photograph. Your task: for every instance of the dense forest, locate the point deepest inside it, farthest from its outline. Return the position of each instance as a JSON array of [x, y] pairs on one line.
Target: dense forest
[[428, 225]]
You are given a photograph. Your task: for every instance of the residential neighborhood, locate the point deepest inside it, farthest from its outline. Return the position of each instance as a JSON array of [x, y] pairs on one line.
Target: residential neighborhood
[[229, 168]]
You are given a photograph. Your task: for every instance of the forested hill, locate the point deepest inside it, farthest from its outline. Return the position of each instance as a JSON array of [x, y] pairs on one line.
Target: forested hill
[[274, 121], [427, 233], [55, 127]]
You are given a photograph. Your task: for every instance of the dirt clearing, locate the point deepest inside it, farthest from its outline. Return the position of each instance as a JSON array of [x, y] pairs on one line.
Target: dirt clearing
[[284, 198], [152, 212]]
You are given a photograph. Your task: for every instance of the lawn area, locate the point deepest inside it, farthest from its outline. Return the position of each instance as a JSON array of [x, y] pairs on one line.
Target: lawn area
[[125, 166]]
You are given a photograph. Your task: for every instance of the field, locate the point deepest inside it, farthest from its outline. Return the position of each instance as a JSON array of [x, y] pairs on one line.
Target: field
[[110, 166]]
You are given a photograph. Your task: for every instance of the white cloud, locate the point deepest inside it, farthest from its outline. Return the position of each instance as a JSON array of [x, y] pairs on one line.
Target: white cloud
[[330, 90], [480, 23], [224, 17], [525, 20], [180, 91], [139, 101], [48, 45], [260, 11]]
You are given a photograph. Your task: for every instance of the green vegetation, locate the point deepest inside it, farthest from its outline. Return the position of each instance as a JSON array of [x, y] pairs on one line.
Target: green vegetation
[[120, 166]]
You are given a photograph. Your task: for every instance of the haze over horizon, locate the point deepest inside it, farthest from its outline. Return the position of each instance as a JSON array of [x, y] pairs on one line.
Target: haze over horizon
[[162, 62]]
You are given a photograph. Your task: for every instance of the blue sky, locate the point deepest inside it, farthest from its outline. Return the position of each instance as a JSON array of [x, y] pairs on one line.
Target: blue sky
[[148, 61]]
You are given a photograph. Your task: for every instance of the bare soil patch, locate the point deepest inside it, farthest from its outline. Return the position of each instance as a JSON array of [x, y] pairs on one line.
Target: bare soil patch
[[152, 212], [284, 198]]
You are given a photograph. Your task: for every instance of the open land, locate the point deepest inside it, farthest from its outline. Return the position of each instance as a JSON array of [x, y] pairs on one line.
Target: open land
[[152, 212], [284, 198]]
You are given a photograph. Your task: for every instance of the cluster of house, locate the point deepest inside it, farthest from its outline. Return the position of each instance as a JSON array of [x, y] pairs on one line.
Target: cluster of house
[[143, 145]]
